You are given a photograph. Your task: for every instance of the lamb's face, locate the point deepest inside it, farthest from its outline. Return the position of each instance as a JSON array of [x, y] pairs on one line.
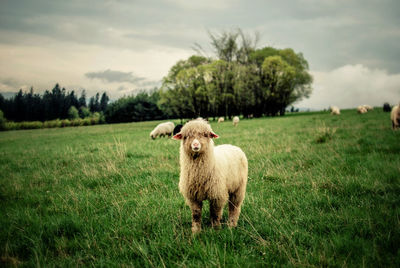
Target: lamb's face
[[197, 143], [196, 137]]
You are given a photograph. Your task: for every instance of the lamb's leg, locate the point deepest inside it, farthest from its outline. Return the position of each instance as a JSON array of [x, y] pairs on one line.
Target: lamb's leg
[[235, 203], [196, 216], [216, 208]]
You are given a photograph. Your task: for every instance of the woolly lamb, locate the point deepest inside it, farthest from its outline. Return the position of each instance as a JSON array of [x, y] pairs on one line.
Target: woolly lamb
[[395, 116], [235, 120], [335, 110], [217, 174], [361, 109], [162, 130], [177, 128], [221, 119]]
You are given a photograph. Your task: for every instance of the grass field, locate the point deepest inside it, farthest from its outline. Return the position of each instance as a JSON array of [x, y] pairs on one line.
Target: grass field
[[322, 191]]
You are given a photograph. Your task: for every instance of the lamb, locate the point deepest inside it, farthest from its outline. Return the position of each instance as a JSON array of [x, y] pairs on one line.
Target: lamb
[[395, 117], [334, 110], [361, 109], [235, 120], [214, 173], [162, 129], [221, 119], [177, 128]]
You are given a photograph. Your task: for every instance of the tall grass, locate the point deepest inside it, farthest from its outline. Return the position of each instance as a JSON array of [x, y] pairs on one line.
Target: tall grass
[[107, 195]]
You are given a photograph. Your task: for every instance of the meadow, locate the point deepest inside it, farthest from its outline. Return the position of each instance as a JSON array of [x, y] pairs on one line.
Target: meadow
[[323, 191]]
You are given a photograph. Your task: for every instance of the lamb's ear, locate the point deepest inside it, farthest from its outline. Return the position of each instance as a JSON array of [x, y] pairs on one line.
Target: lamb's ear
[[213, 135], [177, 136]]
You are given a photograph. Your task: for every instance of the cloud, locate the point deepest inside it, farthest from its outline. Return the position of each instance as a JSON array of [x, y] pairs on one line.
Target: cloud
[[111, 76], [353, 85]]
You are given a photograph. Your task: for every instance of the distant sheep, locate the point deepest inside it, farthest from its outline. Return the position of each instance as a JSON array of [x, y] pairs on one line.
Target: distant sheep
[[387, 107], [162, 130], [395, 117], [335, 110], [235, 120], [214, 173], [361, 109], [177, 128], [221, 119]]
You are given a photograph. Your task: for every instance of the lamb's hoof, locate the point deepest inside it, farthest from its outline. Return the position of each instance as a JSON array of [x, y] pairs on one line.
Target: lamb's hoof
[[232, 224], [196, 229]]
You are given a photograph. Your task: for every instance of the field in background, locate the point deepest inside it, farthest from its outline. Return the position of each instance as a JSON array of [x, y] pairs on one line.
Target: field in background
[[323, 191]]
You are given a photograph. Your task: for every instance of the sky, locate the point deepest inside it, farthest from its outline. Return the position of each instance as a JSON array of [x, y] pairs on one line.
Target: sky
[[121, 47]]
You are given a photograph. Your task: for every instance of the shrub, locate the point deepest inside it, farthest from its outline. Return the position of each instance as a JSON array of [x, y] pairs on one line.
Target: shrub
[[30, 125], [65, 123], [73, 113]]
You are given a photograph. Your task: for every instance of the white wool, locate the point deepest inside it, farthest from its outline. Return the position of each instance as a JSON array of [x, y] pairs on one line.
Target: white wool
[[368, 107], [221, 119], [361, 109], [162, 129], [235, 120], [395, 116], [335, 110]]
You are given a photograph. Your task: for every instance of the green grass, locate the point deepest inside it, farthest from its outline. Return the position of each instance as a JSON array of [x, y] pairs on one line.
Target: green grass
[[323, 191]]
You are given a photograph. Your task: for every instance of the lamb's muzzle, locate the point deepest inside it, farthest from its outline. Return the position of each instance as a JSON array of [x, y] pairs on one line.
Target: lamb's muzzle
[[196, 145]]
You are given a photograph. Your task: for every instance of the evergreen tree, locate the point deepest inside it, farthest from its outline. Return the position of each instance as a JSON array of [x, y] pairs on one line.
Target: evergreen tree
[[104, 102]]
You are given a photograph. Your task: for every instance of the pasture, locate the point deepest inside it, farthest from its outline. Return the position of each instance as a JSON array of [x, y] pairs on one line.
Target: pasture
[[323, 191]]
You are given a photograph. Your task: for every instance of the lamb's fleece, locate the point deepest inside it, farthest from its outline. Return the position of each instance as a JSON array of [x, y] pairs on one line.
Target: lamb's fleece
[[235, 120], [208, 172], [361, 109], [162, 129], [335, 110], [221, 119], [395, 116]]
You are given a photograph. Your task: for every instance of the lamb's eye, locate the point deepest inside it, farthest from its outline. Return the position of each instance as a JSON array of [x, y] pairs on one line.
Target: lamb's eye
[[206, 135], [184, 138]]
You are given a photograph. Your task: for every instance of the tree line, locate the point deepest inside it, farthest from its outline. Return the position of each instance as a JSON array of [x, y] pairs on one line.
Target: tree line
[[57, 103], [239, 80]]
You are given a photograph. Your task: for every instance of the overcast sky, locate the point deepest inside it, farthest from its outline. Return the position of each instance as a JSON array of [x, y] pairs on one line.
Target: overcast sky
[[353, 47]]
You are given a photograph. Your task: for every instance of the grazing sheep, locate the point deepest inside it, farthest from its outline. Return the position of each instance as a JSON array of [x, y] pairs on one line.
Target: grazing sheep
[[221, 119], [213, 173], [334, 110], [368, 107], [361, 109], [177, 128], [162, 130], [387, 107], [235, 120], [395, 117]]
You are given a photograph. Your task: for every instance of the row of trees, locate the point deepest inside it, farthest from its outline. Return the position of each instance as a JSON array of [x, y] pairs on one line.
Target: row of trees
[[142, 107], [55, 104], [241, 80]]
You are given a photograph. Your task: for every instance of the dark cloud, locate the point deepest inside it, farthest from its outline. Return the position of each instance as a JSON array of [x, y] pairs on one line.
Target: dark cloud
[[115, 76], [329, 33]]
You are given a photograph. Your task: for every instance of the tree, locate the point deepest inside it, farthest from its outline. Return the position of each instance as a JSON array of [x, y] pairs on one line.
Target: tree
[[103, 102], [2, 121], [84, 112], [82, 99], [73, 113]]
